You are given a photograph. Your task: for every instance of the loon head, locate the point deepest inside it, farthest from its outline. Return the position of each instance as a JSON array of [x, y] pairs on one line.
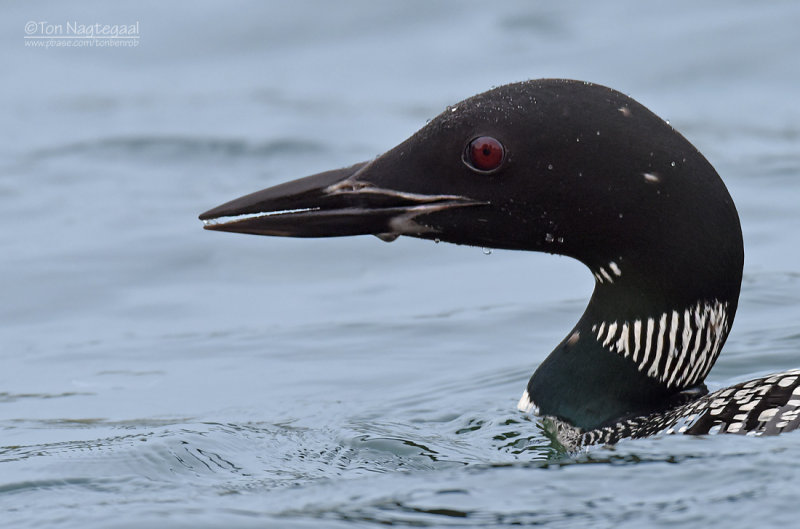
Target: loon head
[[569, 168]]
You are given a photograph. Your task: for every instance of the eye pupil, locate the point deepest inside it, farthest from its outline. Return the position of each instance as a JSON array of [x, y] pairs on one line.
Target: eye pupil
[[484, 154]]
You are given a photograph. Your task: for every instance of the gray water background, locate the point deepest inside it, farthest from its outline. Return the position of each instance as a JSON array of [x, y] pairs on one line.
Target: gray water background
[[155, 374]]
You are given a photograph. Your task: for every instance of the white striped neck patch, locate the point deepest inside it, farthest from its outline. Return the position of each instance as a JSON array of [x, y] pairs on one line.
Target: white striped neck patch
[[607, 274], [676, 348]]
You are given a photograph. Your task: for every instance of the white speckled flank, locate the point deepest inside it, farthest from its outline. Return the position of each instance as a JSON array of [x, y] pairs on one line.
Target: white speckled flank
[[677, 348], [765, 406]]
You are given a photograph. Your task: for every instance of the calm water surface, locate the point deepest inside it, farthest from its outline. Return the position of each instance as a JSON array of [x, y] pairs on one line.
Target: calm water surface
[[154, 374]]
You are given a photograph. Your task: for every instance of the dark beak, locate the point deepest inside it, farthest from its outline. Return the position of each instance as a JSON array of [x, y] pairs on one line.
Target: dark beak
[[332, 204]]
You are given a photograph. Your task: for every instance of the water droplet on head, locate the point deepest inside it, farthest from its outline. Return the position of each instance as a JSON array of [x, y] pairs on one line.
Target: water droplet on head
[[667, 122], [560, 240], [548, 237], [673, 164], [598, 132], [549, 167], [652, 178], [487, 251], [437, 240]]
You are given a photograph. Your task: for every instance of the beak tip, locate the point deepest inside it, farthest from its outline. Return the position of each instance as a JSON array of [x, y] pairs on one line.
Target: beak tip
[[207, 215], [210, 226]]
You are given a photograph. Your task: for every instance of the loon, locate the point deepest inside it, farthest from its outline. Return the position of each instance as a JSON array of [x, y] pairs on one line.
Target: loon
[[581, 170]]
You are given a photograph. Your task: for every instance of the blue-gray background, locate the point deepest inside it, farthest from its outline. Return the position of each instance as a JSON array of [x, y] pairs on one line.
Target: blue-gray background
[[152, 373]]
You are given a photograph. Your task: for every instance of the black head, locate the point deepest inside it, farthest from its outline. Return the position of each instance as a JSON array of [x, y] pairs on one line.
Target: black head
[[558, 166]]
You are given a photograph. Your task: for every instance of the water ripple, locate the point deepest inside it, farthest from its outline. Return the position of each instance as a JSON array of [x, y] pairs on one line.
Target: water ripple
[[180, 147]]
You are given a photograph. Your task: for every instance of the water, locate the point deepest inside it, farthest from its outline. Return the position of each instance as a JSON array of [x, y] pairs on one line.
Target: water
[[157, 374]]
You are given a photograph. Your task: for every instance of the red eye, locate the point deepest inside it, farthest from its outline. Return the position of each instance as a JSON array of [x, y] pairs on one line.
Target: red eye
[[484, 154]]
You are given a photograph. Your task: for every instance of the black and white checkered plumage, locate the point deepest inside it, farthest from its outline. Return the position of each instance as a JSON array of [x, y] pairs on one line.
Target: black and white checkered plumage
[[764, 406]]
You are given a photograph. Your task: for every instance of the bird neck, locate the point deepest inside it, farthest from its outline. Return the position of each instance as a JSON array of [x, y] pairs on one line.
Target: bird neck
[[641, 345]]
